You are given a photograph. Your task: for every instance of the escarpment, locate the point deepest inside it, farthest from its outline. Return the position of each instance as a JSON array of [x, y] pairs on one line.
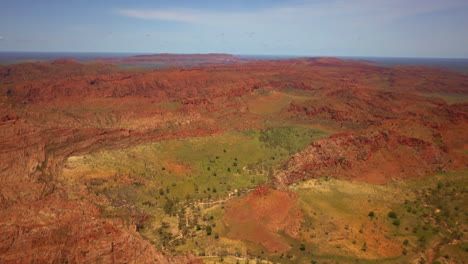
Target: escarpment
[[40, 221]]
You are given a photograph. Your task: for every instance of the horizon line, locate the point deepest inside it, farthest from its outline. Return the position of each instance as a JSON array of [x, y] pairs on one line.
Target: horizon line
[[234, 54]]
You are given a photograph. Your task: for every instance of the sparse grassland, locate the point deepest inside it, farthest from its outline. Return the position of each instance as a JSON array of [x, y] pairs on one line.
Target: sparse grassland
[[265, 102], [166, 187], [421, 220], [175, 192], [450, 98]]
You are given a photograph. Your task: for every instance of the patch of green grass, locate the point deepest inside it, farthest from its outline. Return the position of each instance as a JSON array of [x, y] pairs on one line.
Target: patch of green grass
[[292, 139], [165, 180], [449, 98], [175, 190], [171, 106], [200, 167], [424, 212]]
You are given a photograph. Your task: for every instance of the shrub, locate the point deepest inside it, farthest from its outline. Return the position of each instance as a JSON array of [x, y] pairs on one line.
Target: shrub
[[392, 214], [302, 247]]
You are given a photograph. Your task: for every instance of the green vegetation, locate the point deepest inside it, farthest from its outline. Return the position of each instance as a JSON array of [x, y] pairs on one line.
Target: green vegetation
[[292, 139], [175, 192], [208, 230], [392, 214], [449, 98], [174, 180], [419, 215], [171, 106], [303, 247]]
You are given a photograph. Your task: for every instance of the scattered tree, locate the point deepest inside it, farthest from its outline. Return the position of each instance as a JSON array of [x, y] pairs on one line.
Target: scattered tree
[[392, 214]]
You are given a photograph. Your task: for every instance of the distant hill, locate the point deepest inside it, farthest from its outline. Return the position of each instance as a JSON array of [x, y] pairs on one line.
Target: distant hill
[[168, 60]]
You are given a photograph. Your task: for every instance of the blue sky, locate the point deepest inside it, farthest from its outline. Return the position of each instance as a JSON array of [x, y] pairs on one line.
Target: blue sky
[[402, 28]]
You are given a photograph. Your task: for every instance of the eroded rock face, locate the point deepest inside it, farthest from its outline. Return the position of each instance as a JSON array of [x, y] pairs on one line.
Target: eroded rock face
[[393, 150], [40, 223], [57, 230]]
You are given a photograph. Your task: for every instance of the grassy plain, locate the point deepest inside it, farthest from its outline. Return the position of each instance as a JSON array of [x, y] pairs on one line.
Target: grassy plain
[[180, 187], [166, 186]]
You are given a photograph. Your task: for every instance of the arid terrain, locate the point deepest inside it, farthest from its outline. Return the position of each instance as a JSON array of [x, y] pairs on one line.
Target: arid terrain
[[213, 158]]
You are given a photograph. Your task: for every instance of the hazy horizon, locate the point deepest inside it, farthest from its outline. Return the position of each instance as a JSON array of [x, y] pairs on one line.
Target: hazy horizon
[[357, 28], [126, 53]]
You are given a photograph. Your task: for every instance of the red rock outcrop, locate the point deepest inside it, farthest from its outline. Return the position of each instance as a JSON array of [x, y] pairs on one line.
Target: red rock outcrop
[[399, 149], [55, 229], [40, 222]]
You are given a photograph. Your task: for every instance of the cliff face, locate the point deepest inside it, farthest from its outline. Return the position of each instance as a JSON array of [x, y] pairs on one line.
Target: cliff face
[[40, 222], [397, 149], [55, 229]]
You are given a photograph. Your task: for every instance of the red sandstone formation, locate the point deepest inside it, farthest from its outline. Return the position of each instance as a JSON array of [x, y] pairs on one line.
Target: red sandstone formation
[[40, 223], [397, 149]]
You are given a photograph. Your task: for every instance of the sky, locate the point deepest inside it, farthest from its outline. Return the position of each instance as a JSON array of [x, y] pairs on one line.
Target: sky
[[380, 28]]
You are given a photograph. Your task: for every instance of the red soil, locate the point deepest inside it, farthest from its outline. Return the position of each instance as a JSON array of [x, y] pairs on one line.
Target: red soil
[[261, 215]]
